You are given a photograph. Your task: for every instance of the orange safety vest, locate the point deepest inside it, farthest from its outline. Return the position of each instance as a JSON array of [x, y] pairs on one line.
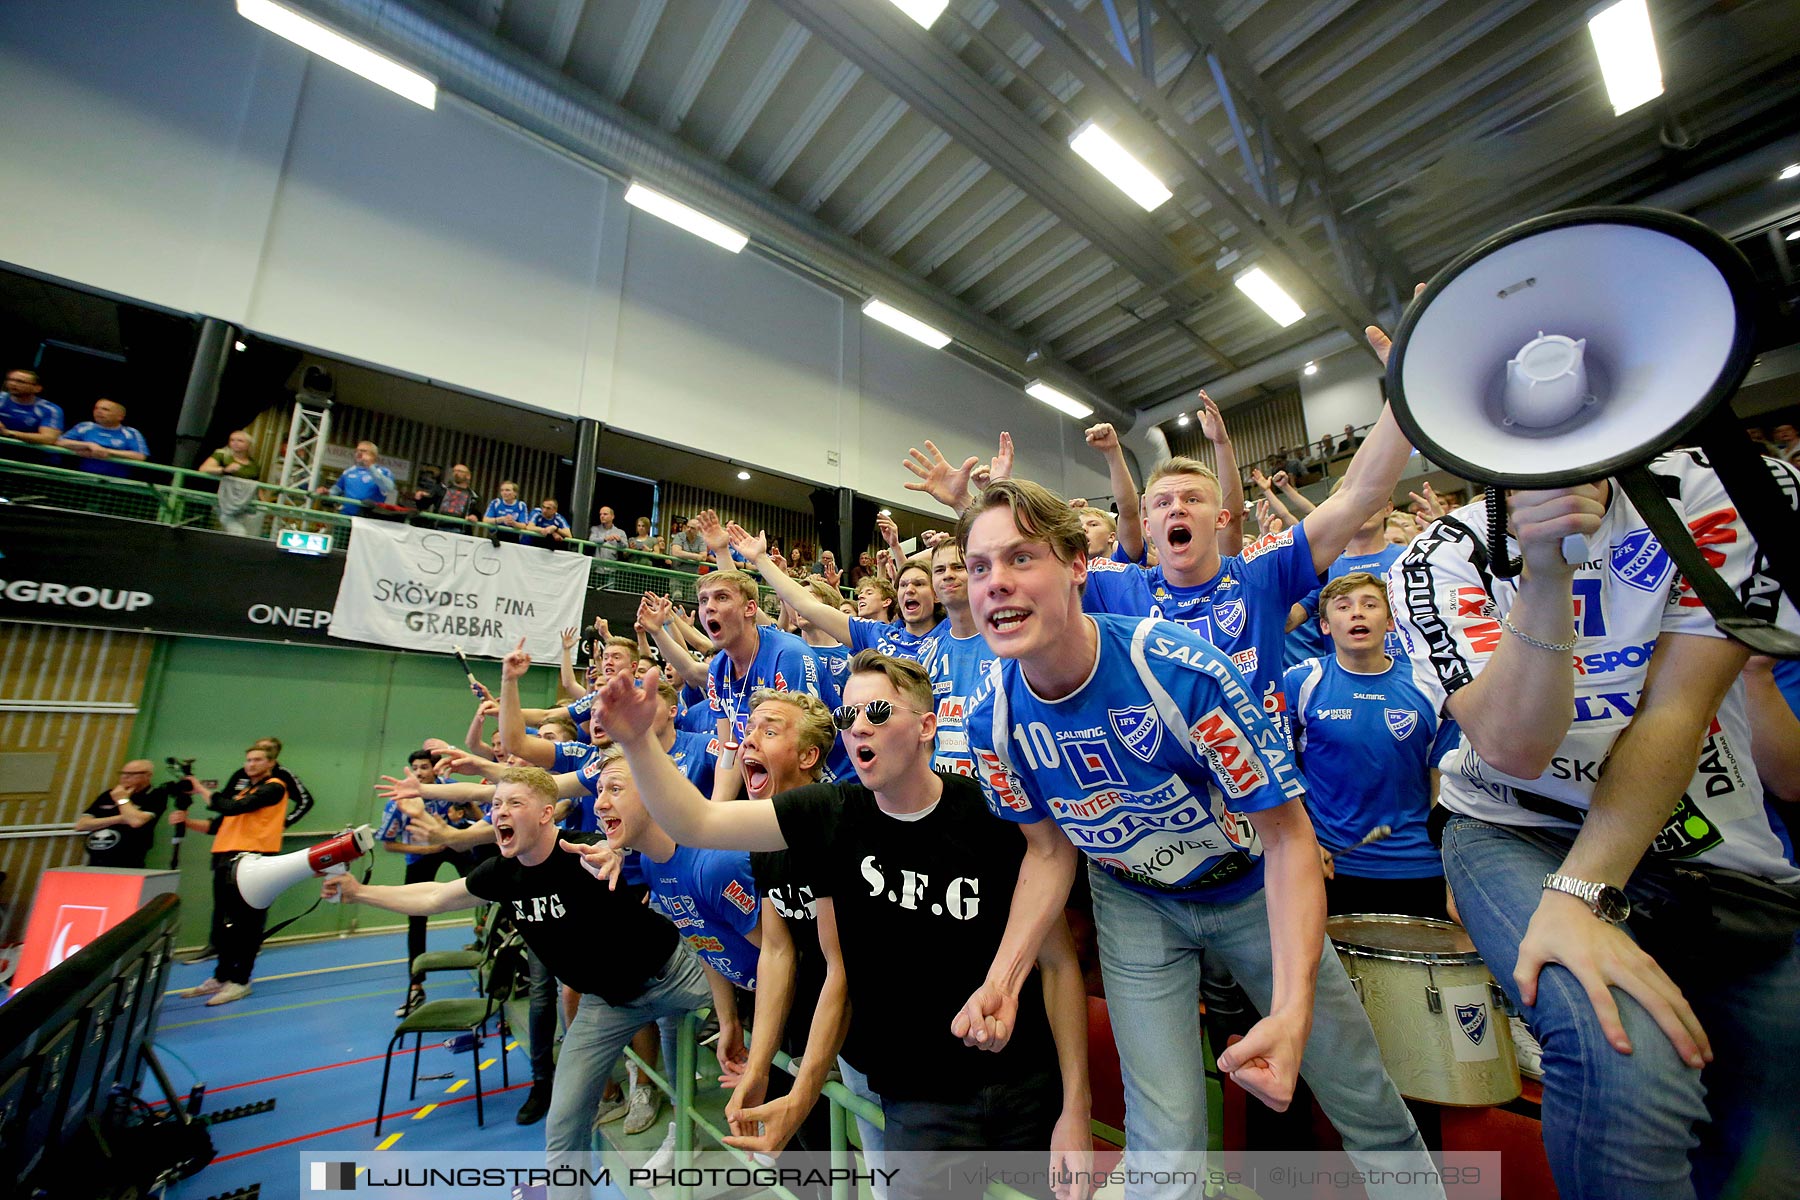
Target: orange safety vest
[[259, 831]]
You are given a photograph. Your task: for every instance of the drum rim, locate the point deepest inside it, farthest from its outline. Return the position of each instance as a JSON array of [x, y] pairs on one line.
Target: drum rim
[[1449, 957]]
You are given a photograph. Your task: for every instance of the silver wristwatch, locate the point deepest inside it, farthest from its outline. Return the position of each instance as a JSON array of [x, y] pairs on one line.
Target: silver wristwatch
[[1607, 902]]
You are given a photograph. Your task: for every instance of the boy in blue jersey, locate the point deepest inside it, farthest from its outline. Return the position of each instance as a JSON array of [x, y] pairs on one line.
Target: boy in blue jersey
[[366, 482], [1139, 741], [1368, 550], [506, 512], [962, 660], [25, 414], [106, 442], [709, 895], [1367, 740], [754, 657], [916, 637]]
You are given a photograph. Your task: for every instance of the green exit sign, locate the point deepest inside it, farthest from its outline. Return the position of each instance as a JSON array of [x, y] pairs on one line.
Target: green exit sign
[[298, 541]]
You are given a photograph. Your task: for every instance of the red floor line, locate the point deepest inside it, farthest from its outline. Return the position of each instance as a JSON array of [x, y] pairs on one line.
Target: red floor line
[[348, 1062], [393, 1116]]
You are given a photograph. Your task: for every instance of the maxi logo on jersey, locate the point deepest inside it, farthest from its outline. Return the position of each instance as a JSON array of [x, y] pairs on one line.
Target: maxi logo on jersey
[[1002, 784], [1229, 752]]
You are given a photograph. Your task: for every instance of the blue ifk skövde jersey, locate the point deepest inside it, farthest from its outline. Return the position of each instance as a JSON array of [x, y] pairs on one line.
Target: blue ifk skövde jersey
[[696, 754], [896, 641], [1149, 767], [956, 674], [711, 898], [1305, 641], [1366, 744], [783, 663]]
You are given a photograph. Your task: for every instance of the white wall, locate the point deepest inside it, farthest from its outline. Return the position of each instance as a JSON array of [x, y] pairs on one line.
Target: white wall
[[1346, 391], [177, 154]]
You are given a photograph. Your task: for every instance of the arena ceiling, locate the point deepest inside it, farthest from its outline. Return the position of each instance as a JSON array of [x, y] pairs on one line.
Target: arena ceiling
[[1347, 147]]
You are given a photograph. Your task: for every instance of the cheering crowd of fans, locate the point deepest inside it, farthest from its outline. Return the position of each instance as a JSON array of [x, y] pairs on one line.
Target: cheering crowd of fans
[[861, 820]]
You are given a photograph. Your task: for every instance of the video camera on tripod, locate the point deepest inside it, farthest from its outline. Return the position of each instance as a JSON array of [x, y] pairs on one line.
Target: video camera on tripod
[[182, 797]]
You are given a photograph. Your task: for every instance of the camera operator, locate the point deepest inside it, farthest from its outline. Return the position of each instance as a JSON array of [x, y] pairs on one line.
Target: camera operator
[[249, 821], [121, 822]]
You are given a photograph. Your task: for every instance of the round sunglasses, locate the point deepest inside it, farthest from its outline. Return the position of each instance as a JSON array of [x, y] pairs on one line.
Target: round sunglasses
[[878, 711]]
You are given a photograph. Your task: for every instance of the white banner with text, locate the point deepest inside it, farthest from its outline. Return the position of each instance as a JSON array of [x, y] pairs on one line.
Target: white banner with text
[[423, 589]]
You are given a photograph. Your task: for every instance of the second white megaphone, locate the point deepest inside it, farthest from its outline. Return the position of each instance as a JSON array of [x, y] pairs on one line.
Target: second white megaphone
[[261, 878]]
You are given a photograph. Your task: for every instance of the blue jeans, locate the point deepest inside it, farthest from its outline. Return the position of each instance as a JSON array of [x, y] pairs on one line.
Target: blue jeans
[[872, 1136], [593, 1043], [1150, 951], [1643, 1125]]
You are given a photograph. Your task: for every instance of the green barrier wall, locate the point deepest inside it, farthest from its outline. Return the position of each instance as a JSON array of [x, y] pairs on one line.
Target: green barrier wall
[[345, 717]]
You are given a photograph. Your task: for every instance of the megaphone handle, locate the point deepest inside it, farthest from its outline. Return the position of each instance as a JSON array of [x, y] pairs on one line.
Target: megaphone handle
[[335, 869], [1575, 549]]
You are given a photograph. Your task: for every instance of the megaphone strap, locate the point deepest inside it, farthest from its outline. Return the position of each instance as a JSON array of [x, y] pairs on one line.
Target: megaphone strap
[[368, 870]]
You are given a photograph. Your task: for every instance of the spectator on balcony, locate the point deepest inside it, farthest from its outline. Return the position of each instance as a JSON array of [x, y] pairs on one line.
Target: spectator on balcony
[[25, 414], [644, 540], [457, 498], [366, 482], [1787, 443], [106, 442], [689, 547], [607, 537], [238, 472], [1350, 441], [548, 527], [508, 513], [1290, 462]]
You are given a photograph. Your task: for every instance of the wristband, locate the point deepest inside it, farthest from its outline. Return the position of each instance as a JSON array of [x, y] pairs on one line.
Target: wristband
[[1559, 647]]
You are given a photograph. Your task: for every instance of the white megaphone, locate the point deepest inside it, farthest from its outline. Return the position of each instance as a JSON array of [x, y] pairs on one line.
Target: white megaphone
[[261, 878], [1578, 346]]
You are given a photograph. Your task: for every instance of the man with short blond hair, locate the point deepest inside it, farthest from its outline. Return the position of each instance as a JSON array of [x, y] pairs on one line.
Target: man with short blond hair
[[366, 482], [646, 971]]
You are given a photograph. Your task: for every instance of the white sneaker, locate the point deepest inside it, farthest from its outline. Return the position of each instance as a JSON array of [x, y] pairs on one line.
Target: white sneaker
[[228, 993], [646, 1102], [664, 1158], [1531, 1055], [205, 987], [610, 1111]]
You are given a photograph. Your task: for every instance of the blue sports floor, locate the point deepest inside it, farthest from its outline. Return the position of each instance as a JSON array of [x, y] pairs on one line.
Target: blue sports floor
[[310, 1036]]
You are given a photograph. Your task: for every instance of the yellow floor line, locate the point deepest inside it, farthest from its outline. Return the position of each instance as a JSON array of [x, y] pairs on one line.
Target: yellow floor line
[[389, 1140], [423, 1112], [461, 1083], [484, 1066], [512, 1045]]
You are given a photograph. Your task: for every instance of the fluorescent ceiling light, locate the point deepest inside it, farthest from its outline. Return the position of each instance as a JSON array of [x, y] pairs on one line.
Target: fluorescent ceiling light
[[1256, 284], [1791, 171], [922, 11], [353, 56], [1627, 48], [1037, 389], [238, 346], [1312, 368], [1120, 168], [692, 220], [744, 475], [912, 327], [1182, 420]]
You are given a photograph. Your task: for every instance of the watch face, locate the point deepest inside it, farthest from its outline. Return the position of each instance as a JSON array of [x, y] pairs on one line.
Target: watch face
[[1612, 905]]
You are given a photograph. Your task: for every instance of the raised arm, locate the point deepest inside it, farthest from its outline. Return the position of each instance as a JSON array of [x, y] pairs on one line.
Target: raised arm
[[656, 614], [791, 591], [539, 752], [570, 687], [944, 483], [628, 714], [1231, 482], [411, 899], [1105, 439], [718, 543]]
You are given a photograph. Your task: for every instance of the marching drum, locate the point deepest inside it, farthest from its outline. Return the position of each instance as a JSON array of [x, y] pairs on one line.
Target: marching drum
[[1436, 1011]]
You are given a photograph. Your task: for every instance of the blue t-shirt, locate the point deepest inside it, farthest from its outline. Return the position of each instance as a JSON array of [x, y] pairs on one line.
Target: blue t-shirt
[[699, 718], [712, 899], [540, 521], [1117, 588], [783, 663], [895, 641], [570, 756], [835, 660], [1366, 745], [394, 822], [956, 674], [372, 484], [123, 438], [1243, 608], [1305, 641], [29, 418], [696, 754], [1149, 766], [518, 510]]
